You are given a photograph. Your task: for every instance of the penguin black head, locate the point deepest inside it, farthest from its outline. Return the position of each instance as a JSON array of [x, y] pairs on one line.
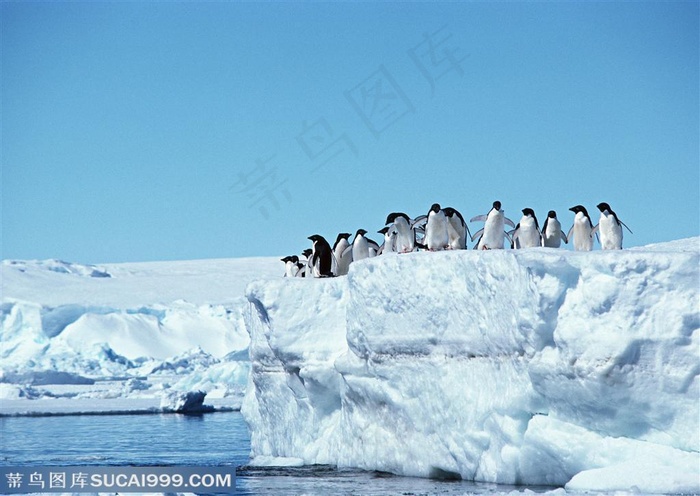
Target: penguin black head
[[580, 208], [604, 206], [286, 259], [552, 214], [316, 237], [360, 232], [383, 230], [395, 215], [451, 212], [529, 211], [342, 236], [307, 253], [497, 205], [434, 208]]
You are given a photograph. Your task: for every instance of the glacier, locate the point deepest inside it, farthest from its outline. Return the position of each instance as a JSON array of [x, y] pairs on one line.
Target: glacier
[[123, 337], [538, 366]]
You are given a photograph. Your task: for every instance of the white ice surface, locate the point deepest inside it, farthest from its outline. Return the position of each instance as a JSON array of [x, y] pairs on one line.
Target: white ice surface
[[138, 329], [537, 366]]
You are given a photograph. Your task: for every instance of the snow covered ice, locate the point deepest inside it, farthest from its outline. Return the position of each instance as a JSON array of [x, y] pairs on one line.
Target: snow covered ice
[[123, 337], [537, 366]]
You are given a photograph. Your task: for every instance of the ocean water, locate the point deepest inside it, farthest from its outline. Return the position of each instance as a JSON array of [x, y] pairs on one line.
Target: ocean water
[[205, 440]]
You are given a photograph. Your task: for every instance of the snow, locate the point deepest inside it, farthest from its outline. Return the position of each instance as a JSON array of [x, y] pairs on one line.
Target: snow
[[537, 366], [124, 337]]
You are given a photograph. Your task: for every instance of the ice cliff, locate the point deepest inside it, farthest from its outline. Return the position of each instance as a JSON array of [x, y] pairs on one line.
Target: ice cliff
[[537, 366]]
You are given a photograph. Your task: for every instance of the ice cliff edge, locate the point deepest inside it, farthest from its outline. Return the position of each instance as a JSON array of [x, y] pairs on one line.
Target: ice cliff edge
[[536, 366]]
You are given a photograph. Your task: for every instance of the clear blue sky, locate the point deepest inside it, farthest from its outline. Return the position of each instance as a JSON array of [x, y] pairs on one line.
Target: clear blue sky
[[136, 131]]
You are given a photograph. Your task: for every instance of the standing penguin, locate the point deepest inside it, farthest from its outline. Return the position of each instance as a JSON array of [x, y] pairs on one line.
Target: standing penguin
[[492, 234], [405, 234], [306, 270], [342, 258], [291, 265], [321, 257], [436, 235], [457, 229], [389, 245], [582, 229], [527, 232], [610, 228], [361, 246], [551, 231]]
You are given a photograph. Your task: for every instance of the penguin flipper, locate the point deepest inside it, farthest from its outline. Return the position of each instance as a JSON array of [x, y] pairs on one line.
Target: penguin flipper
[[346, 251], [509, 222], [478, 218], [563, 236], [630, 230], [419, 222], [568, 236], [478, 233]]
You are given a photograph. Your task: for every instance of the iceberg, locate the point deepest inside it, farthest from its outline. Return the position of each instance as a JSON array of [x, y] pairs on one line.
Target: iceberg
[[123, 337], [537, 366]]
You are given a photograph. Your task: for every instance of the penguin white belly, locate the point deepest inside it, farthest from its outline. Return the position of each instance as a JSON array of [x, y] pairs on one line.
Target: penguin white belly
[[583, 237], [342, 261], [492, 237], [610, 233], [405, 238], [360, 249], [457, 235], [436, 237], [527, 233], [552, 236], [290, 269]]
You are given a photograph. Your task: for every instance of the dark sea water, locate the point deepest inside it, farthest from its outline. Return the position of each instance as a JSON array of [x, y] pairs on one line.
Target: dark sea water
[[208, 440]]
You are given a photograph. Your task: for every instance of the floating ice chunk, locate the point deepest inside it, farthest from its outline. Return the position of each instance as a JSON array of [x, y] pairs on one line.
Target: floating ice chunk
[[185, 402]]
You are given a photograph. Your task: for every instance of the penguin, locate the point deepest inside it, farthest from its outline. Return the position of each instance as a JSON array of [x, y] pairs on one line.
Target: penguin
[[582, 229], [492, 234], [306, 271], [405, 233], [389, 245], [457, 230], [321, 257], [610, 228], [339, 248], [552, 235], [290, 265], [527, 232], [436, 235], [362, 246]]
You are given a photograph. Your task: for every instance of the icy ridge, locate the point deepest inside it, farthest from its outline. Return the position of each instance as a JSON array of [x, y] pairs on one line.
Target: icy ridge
[[536, 366]]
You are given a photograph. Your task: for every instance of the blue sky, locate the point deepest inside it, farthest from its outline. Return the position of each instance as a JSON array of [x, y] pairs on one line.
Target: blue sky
[[161, 131]]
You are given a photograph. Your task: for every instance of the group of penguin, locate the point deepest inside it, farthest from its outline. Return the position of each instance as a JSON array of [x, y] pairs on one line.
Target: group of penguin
[[445, 229]]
